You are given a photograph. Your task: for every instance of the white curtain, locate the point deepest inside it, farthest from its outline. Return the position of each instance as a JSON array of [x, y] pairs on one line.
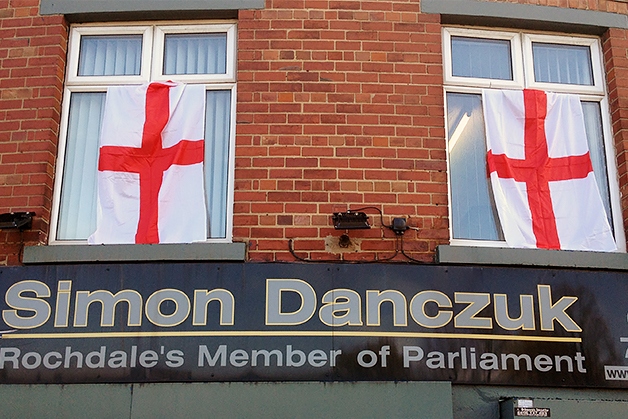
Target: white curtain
[[104, 55], [195, 54], [595, 138], [217, 127], [565, 64], [77, 211]]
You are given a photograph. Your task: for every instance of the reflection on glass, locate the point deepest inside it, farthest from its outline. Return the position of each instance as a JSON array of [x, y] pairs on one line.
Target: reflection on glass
[[474, 214]]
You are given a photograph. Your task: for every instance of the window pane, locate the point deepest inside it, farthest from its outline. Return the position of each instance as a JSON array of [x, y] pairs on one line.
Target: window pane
[[566, 64], [195, 54], [483, 58], [217, 127], [104, 55], [595, 137], [77, 214], [473, 212]]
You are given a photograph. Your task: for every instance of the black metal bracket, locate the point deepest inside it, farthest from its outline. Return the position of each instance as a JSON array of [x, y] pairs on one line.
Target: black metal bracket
[[350, 220], [16, 220]]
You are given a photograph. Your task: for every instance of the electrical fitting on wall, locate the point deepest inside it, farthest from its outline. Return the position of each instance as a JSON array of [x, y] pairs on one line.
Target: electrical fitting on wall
[[16, 221], [350, 220], [356, 219]]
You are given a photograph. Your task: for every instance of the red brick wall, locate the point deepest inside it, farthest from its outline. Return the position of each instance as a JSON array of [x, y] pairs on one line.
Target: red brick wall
[[32, 62], [340, 106], [615, 44]]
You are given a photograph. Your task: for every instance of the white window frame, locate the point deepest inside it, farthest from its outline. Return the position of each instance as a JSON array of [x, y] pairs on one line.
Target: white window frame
[[596, 63], [151, 32], [74, 47], [158, 56], [515, 58], [521, 44]]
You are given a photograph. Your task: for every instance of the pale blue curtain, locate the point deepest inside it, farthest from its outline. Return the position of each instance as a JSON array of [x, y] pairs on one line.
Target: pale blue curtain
[[595, 137], [77, 211], [110, 55], [217, 127], [195, 54], [565, 64], [481, 58]]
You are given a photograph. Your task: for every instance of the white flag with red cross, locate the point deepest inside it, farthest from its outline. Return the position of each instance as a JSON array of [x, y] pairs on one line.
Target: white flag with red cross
[[150, 166], [541, 172]]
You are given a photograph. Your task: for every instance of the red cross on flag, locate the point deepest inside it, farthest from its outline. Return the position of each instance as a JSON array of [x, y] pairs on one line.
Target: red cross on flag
[[150, 167], [541, 173]]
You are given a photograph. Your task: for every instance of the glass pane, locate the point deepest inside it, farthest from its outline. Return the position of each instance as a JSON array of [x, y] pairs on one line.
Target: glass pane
[[217, 128], [195, 53], [474, 214], [77, 211], [110, 55], [482, 58], [595, 137], [565, 64]]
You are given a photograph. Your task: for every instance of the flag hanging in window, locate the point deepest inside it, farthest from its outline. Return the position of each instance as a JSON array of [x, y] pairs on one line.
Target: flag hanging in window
[[541, 173], [150, 166]]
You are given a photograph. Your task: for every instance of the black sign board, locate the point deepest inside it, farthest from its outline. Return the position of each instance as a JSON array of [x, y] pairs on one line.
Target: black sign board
[[161, 322]]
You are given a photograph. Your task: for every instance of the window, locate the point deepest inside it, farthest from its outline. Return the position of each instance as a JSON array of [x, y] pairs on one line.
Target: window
[[483, 59], [102, 56]]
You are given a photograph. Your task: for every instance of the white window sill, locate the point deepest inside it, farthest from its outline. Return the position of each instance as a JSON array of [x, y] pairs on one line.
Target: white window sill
[[446, 254], [134, 253]]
